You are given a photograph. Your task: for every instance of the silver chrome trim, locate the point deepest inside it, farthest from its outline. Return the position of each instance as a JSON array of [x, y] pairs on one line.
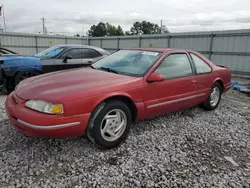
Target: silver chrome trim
[[176, 100], [51, 127]]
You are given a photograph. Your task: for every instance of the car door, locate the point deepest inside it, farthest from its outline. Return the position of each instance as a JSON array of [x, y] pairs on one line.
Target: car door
[[177, 91], [204, 77], [72, 58], [86, 57], [49, 65]]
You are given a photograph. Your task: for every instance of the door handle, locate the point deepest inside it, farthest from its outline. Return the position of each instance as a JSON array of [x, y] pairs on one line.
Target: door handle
[[90, 61], [194, 82]]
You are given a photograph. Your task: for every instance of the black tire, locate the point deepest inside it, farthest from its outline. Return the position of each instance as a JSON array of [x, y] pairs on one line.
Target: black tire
[[93, 131], [208, 105], [23, 75], [6, 88]]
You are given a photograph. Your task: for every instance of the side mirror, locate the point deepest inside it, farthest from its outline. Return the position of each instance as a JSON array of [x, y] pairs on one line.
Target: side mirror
[[66, 58], [155, 77]]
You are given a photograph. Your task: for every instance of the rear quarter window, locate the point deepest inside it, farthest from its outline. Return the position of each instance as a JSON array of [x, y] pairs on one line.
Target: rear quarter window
[[94, 53], [201, 66]]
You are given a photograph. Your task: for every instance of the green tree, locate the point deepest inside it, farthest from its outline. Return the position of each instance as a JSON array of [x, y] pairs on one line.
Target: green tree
[[77, 35], [98, 30], [136, 28], [145, 27], [111, 30], [107, 29], [119, 31], [114, 31]]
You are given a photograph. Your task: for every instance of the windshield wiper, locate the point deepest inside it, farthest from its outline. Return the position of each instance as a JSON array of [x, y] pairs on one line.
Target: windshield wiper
[[109, 69]]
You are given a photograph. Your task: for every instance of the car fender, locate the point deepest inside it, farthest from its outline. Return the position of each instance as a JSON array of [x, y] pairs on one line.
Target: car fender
[[91, 103], [220, 80], [113, 94], [11, 65], [139, 105], [217, 79]]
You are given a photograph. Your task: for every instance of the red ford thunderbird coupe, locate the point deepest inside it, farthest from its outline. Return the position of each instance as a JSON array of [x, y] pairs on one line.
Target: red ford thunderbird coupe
[[102, 101]]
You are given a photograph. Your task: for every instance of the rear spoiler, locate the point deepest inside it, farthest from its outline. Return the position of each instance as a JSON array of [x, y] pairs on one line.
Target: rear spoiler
[[222, 66]]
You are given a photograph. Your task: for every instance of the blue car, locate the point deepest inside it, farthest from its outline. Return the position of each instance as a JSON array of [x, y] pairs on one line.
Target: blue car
[[14, 68]]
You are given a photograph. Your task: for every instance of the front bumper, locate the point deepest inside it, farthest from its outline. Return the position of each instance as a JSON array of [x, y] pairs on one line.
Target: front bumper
[[37, 124]]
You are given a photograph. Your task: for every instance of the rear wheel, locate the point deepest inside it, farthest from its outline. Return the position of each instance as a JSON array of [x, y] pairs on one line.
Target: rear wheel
[[23, 75], [110, 124], [214, 97]]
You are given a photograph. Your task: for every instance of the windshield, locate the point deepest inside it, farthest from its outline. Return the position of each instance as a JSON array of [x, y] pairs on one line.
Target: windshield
[[50, 52], [129, 62]]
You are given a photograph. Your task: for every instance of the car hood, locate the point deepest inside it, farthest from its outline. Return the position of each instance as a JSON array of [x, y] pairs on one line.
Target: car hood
[[70, 84], [17, 56], [12, 61]]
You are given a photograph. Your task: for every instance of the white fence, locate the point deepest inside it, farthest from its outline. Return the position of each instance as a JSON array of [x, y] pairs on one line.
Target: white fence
[[229, 48]]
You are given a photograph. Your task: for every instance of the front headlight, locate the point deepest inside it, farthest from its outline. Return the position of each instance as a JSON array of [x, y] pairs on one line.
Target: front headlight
[[45, 107]]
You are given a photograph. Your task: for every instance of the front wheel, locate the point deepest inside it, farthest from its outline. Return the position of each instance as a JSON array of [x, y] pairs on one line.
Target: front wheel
[[214, 98], [110, 124]]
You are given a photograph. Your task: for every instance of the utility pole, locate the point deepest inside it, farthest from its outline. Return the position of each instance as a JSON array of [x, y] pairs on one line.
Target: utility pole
[[2, 10], [43, 20]]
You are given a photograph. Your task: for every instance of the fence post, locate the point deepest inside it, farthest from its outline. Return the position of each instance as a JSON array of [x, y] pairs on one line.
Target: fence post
[[36, 44], [88, 41], [66, 41], [169, 37], [211, 45], [101, 42], [118, 43], [140, 42]]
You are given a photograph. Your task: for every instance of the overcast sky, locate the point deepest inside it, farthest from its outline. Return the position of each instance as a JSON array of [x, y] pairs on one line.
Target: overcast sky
[[76, 16]]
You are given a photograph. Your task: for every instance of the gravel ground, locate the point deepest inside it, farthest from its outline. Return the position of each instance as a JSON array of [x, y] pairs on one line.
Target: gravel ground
[[192, 148]]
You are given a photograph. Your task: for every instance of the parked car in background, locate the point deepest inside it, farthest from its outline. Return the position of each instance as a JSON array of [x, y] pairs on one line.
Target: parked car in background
[[106, 98], [15, 68], [7, 51], [4, 52]]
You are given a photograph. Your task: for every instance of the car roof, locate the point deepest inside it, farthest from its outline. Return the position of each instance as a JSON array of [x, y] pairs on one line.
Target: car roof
[[162, 50], [152, 49], [78, 45], [103, 51], [70, 45]]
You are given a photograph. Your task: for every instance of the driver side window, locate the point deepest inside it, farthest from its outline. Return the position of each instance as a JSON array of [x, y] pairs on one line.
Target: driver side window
[[175, 66], [77, 53]]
